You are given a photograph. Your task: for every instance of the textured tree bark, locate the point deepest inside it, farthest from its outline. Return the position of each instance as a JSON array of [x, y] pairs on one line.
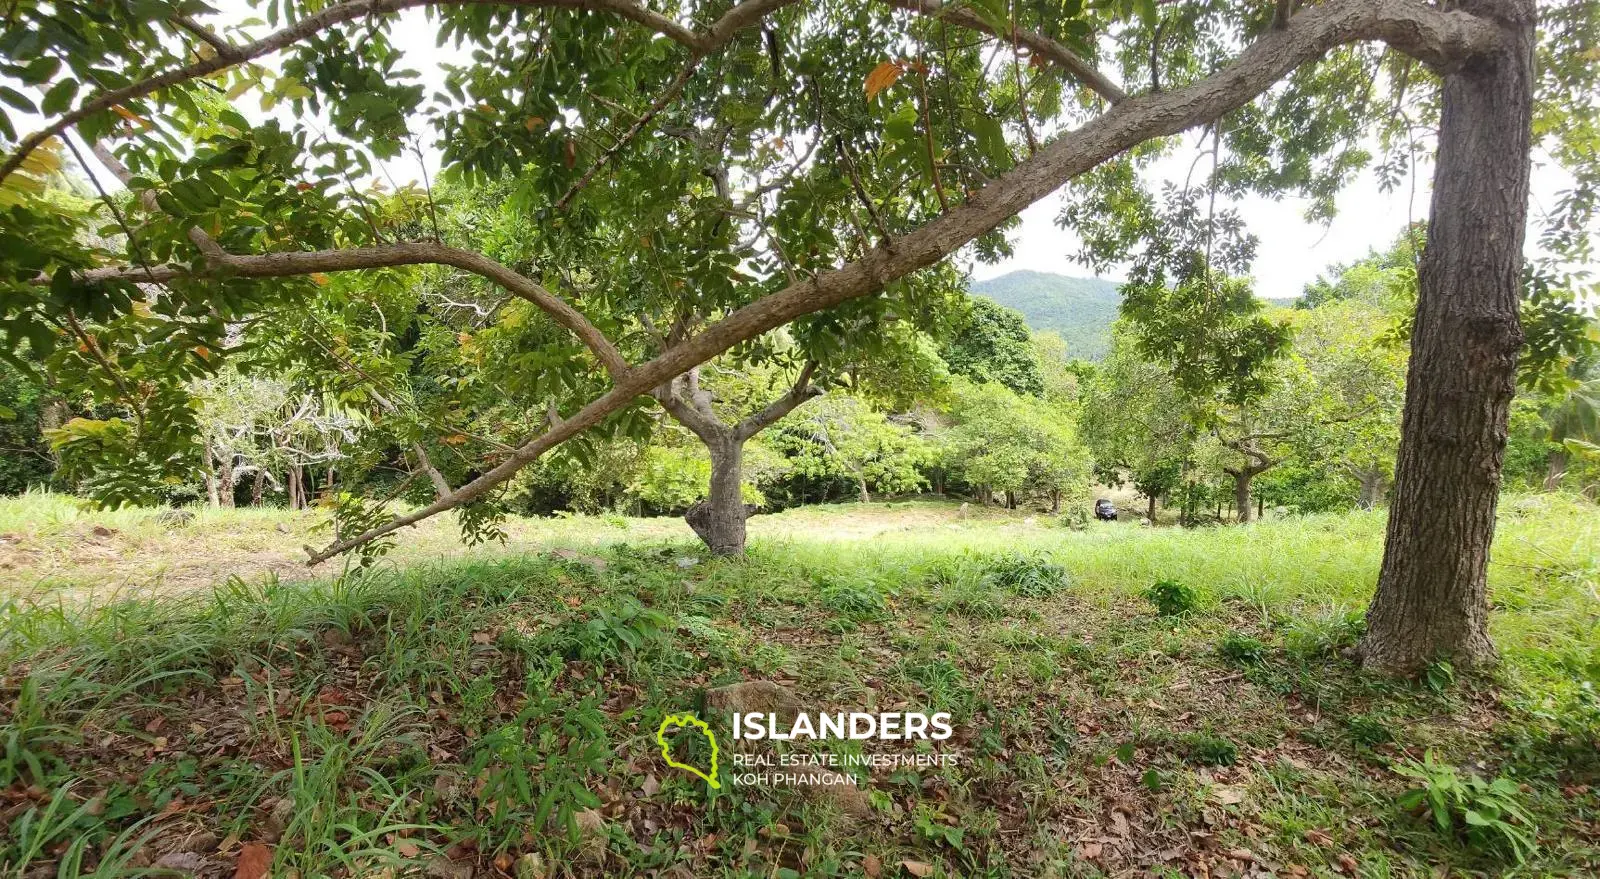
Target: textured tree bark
[[1241, 493], [1432, 597], [1150, 508], [225, 480], [719, 520]]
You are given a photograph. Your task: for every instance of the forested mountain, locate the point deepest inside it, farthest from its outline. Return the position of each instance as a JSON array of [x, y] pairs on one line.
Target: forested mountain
[[1081, 310]]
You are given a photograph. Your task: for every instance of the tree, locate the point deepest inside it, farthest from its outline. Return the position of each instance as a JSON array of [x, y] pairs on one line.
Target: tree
[[1136, 422], [1574, 420], [1008, 447], [992, 344], [232, 220], [841, 436], [1354, 422]]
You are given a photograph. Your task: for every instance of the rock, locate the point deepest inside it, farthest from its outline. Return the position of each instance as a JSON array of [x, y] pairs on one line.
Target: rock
[[836, 789], [962, 513], [532, 866], [444, 868], [174, 518], [279, 815], [283, 528], [758, 697], [687, 562]]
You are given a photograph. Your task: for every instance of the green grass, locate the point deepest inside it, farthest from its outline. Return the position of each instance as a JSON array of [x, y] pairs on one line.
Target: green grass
[[498, 710]]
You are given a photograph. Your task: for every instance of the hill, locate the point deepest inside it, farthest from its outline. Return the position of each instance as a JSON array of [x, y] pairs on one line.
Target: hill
[[1081, 310]]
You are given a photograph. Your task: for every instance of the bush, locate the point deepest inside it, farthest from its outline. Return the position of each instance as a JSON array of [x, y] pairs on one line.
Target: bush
[[1031, 576], [1487, 815], [1172, 598], [1241, 649], [1209, 749], [1368, 730]]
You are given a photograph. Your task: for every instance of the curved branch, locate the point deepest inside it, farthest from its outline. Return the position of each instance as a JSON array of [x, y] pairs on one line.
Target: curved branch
[[800, 392], [295, 263], [1424, 31], [1039, 45]]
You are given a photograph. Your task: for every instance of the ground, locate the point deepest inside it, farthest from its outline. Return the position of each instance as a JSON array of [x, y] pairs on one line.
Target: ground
[[494, 712]]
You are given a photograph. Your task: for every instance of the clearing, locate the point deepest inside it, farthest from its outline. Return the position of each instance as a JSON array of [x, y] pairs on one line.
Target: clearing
[[493, 713]]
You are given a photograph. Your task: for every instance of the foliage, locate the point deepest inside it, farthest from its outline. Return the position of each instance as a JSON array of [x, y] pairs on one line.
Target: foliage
[[1241, 649], [1003, 443], [1487, 814], [1172, 598], [1079, 310], [1209, 749], [23, 404], [992, 346], [1135, 421], [840, 437]]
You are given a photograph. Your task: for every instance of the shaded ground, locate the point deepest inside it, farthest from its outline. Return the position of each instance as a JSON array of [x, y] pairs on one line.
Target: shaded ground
[[495, 717], [56, 547]]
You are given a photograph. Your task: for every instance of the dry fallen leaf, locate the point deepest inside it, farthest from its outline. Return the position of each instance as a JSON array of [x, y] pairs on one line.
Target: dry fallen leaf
[[254, 861], [917, 868], [872, 865], [1227, 795]]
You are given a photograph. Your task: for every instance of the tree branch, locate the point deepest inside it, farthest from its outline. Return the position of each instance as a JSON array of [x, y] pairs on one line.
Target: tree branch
[[1041, 46], [717, 35], [667, 96], [294, 263], [691, 411], [799, 393], [1419, 29]]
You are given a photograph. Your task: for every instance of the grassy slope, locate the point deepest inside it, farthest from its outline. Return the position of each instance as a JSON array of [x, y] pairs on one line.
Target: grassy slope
[[1081, 310], [398, 717]]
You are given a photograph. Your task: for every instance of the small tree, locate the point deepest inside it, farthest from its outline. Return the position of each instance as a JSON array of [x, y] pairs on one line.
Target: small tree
[[1009, 447], [1136, 422]]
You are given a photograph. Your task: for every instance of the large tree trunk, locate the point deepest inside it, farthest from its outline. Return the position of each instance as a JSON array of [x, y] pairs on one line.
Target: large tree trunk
[[1432, 597], [719, 519], [1371, 480], [225, 480], [1241, 493], [1150, 508], [1555, 469]]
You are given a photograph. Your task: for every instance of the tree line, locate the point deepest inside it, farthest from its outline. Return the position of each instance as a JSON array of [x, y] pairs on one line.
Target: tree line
[[652, 187]]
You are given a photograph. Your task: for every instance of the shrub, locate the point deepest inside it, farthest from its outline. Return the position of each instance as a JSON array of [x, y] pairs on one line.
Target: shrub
[[1172, 598], [1031, 576], [1488, 815], [1368, 730], [1209, 749], [1241, 649]]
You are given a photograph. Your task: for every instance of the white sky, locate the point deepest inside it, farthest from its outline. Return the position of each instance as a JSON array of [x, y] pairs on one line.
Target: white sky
[[1292, 251]]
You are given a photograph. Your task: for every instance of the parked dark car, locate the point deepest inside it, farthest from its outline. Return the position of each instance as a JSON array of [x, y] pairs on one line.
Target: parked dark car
[[1105, 510]]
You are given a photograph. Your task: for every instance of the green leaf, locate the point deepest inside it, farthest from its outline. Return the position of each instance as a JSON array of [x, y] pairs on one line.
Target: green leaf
[[17, 99], [59, 97]]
